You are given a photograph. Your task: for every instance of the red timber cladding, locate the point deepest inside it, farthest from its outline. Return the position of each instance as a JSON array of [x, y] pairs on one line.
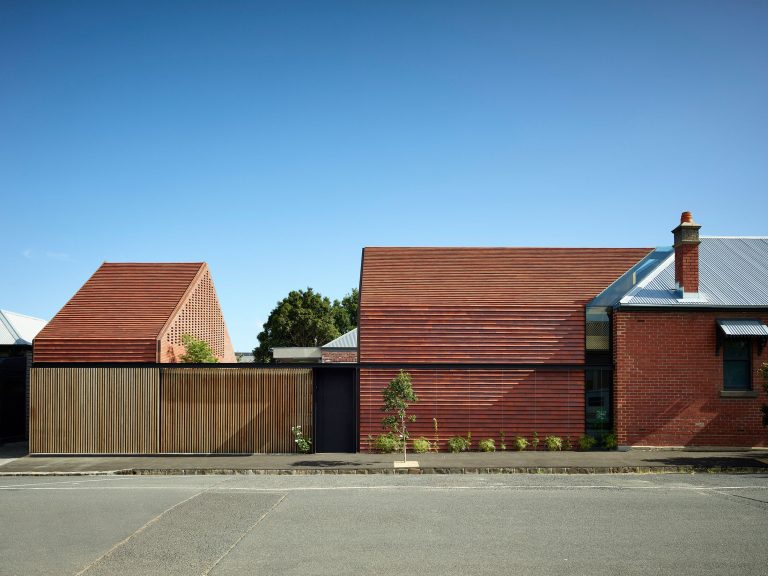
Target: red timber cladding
[[117, 315], [668, 379], [199, 314], [483, 402], [482, 305]]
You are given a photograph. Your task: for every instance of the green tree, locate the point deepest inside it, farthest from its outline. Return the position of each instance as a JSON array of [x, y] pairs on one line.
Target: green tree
[[197, 351], [303, 318], [397, 395], [345, 312]]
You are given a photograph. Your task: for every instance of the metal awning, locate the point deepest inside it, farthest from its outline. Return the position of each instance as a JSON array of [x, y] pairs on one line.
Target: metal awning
[[742, 328]]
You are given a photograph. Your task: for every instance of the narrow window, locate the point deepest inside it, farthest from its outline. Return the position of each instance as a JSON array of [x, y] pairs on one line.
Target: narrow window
[[737, 369]]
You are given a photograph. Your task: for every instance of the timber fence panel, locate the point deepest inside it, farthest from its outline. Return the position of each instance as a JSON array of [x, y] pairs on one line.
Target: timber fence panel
[[233, 410], [94, 410]]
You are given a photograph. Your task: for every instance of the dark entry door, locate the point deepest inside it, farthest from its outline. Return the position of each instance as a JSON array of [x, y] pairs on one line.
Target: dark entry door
[[335, 410]]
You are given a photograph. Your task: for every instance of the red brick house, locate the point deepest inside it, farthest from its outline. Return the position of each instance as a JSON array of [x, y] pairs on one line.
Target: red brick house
[[137, 312], [687, 342], [659, 345]]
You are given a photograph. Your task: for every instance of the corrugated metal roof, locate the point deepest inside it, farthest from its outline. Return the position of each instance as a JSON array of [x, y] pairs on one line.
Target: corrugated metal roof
[[18, 329], [733, 271], [348, 340], [741, 327], [489, 305]]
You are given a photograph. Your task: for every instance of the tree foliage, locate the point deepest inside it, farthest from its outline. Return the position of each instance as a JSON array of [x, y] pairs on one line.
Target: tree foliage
[[197, 351], [306, 318], [397, 396]]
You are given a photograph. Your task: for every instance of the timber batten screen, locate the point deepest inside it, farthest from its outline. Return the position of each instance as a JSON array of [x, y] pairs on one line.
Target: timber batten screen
[[234, 410], [150, 410], [94, 410]]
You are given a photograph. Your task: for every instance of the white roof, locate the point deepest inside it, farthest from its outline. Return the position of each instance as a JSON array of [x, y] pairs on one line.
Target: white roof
[[18, 329]]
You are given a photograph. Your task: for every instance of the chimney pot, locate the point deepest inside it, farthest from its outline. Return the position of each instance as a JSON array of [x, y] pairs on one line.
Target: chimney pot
[[687, 254]]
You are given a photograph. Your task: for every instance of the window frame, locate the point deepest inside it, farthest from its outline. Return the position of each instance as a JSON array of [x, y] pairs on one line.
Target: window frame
[[748, 360]]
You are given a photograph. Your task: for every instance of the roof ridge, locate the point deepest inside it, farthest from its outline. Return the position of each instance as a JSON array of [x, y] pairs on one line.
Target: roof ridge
[[24, 315]]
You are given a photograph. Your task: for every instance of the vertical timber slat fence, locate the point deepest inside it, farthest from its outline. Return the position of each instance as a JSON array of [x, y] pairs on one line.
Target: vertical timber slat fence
[[233, 410], [167, 410], [94, 410]]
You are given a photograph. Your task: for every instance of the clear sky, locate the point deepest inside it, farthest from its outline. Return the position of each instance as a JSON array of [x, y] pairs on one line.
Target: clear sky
[[275, 140]]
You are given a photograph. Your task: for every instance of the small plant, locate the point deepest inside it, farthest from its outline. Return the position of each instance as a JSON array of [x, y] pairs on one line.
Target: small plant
[[553, 443], [503, 446], [397, 395], [567, 445], [469, 440], [487, 445], [535, 441], [421, 445], [610, 442], [586, 442], [197, 351], [458, 444], [303, 443], [521, 443], [386, 443], [436, 443]]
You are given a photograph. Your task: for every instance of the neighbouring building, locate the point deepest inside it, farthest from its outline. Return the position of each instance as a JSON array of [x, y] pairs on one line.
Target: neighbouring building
[[17, 331], [137, 312], [660, 345], [340, 350]]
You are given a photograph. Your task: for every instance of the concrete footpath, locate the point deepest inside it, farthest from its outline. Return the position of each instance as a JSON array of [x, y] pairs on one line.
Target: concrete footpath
[[14, 461]]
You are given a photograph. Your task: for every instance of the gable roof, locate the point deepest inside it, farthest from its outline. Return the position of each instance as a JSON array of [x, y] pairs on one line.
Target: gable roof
[[124, 300], [733, 272], [346, 340], [482, 305], [18, 329]]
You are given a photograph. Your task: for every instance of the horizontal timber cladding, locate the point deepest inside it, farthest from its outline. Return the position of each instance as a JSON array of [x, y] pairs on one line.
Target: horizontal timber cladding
[[234, 410], [482, 305], [94, 410], [483, 402]]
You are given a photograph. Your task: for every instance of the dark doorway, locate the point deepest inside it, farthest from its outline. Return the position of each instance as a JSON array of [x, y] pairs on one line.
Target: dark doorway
[[335, 410], [13, 372]]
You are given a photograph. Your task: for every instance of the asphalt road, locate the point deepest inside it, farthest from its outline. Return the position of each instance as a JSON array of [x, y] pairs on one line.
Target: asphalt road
[[484, 524]]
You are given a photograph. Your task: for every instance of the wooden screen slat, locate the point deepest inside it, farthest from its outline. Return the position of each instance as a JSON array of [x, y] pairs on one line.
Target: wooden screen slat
[[233, 410], [94, 410]]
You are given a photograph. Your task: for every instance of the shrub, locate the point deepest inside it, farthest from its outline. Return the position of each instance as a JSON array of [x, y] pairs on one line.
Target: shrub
[[586, 442], [553, 443], [487, 445], [503, 437], [387, 443], [421, 445], [610, 442], [567, 445], [521, 443], [303, 443], [458, 444], [535, 441]]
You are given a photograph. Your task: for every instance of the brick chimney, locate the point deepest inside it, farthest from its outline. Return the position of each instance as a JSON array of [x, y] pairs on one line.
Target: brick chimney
[[687, 255]]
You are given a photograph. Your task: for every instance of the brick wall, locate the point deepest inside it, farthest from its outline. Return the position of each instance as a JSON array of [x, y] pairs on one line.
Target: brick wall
[[687, 267], [668, 380], [339, 356]]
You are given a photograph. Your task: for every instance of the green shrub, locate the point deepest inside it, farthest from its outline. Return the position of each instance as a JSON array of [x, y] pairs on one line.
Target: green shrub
[[487, 445], [303, 443], [567, 445], [521, 443], [610, 442], [586, 442], [387, 443], [421, 445], [553, 443], [458, 444], [535, 441]]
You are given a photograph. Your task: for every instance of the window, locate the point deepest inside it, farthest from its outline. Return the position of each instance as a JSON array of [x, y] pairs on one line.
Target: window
[[737, 369]]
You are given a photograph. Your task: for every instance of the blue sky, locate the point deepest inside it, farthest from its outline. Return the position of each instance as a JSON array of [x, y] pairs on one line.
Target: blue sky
[[275, 140]]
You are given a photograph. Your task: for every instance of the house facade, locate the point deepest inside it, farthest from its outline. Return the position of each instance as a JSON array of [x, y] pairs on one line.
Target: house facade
[[659, 345], [137, 312]]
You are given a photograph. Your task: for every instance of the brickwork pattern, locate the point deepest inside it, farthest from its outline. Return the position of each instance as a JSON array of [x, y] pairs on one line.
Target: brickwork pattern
[[341, 356], [668, 379], [687, 266]]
